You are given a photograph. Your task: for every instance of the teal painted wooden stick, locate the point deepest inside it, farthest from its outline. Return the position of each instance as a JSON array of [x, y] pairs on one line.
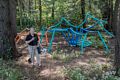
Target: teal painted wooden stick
[[79, 26], [82, 44], [103, 41], [68, 22], [50, 45], [106, 30], [56, 24]]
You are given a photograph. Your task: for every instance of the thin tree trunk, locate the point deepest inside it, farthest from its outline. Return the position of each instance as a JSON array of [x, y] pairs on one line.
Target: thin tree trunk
[[53, 6], [83, 10], [35, 10], [29, 12], [111, 13], [35, 4], [20, 11], [108, 13], [90, 7], [40, 12]]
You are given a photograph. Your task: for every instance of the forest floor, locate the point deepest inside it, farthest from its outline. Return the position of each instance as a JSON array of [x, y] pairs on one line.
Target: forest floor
[[53, 69]]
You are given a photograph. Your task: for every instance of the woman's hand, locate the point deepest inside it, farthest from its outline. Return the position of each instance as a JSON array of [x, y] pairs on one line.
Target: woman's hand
[[30, 40], [41, 46]]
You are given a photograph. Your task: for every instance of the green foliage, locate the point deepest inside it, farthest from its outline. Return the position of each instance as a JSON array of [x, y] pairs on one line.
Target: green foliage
[[93, 72], [55, 55], [97, 41], [25, 22], [111, 77], [62, 55], [74, 74], [8, 53], [71, 9], [8, 72]]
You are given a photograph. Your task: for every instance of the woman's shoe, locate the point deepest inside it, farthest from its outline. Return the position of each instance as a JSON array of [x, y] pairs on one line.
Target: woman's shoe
[[29, 60]]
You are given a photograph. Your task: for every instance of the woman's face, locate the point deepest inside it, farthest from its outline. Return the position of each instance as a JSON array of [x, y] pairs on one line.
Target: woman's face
[[31, 30]]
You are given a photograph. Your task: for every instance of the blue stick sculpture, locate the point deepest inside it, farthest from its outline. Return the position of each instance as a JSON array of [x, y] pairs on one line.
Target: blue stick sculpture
[[76, 35]]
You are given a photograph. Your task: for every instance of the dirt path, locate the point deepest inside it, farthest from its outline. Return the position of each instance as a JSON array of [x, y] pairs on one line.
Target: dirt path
[[52, 69]]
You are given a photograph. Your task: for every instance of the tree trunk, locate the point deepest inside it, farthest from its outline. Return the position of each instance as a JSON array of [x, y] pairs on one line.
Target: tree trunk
[[53, 6], [35, 4], [20, 11], [117, 35], [111, 14], [7, 29], [83, 10], [40, 12], [29, 12], [13, 4], [90, 7], [108, 13]]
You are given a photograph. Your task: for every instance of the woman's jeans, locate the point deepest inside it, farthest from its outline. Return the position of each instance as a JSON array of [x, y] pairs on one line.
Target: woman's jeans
[[33, 52]]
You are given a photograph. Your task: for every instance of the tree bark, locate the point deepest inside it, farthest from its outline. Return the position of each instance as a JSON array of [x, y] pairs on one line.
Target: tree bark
[[90, 7], [108, 13], [35, 4], [7, 29], [20, 11], [29, 13], [111, 14], [83, 10], [53, 6], [117, 35], [40, 12], [12, 7]]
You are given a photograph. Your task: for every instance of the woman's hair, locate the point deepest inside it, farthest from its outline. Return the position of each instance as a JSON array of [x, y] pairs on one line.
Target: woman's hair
[[31, 27]]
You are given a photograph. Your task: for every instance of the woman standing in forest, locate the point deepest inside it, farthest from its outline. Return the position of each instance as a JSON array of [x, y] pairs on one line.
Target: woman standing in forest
[[33, 46]]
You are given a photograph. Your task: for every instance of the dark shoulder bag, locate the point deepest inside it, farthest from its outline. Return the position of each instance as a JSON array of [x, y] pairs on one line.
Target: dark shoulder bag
[[39, 49]]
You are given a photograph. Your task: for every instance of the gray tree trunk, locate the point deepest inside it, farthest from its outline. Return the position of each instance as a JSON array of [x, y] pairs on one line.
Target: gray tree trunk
[[40, 12], [117, 35], [7, 29], [53, 7], [83, 10]]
